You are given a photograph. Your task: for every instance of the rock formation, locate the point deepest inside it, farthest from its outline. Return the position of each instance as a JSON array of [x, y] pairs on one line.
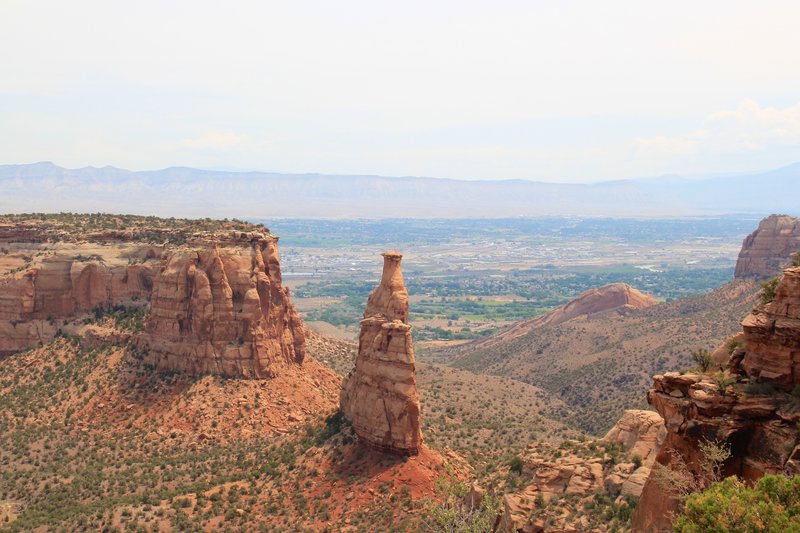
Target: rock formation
[[219, 307], [567, 478], [610, 298], [380, 395], [772, 336], [58, 284], [751, 413], [217, 304], [767, 250]]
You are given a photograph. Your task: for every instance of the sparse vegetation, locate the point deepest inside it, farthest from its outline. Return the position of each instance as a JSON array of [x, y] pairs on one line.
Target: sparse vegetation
[[454, 515], [772, 505], [768, 289], [679, 481], [723, 379], [702, 358]]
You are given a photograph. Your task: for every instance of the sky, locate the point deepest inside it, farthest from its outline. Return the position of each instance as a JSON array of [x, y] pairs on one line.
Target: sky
[[560, 91]]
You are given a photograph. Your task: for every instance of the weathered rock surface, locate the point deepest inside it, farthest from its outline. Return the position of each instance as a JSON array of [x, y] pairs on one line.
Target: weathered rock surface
[[561, 483], [380, 395], [219, 307], [611, 298], [767, 250], [772, 336], [217, 304], [641, 434], [760, 426], [63, 281]]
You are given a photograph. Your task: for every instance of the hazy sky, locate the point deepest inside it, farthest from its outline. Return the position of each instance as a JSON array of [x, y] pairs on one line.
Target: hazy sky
[[547, 90]]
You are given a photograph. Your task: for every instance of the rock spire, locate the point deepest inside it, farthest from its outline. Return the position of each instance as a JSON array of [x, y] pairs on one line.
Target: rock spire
[[380, 395]]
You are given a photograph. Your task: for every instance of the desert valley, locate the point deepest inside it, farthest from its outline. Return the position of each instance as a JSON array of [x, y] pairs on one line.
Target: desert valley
[[157, 376], [399, 267]]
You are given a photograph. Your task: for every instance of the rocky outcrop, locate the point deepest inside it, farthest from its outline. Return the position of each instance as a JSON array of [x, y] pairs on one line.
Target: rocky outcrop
[[66, 282], [641, 434], [772, 336], [767, 250], [749, 408], [562, 483], [380, 396], [219, 307], [611, 298], [216, 300]]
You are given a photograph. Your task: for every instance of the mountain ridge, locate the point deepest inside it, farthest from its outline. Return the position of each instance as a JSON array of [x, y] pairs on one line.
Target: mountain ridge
[[184, 191]]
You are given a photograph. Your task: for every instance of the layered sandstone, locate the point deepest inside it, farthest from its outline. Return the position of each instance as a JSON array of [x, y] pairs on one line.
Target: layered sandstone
[[215, 295], [380, 396], [65, 281], [610, 298], [772, 336], [218, 306], [753, 413], [561, 483], [767, 250]]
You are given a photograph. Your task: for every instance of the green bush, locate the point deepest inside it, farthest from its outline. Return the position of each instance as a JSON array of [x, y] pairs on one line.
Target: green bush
[[516, 464], [723, 380], [733, 344], [758, 387], [768, 289], [452, 515], [773, 505], [702, 359]]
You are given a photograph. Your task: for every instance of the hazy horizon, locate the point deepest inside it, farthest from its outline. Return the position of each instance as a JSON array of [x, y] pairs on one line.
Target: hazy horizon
[[573, 92]]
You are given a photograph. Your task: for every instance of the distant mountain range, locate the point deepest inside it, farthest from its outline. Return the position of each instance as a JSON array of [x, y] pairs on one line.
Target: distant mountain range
[[188, 192]]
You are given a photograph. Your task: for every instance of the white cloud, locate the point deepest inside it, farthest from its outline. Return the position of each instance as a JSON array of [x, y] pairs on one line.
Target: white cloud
[[747, 128]]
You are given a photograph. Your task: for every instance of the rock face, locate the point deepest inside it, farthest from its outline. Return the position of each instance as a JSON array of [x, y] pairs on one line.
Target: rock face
[[380, 395], [758, 421], [216, 300], [610, 298], [641, 434], [767, 250], [63, 283], [219, 307], [772, 336], [568, 477]]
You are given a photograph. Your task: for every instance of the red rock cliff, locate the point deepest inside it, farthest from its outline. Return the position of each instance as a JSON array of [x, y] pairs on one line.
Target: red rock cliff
[[759, 424], [380, 395], [767, 250], [217, 304], [219, 307], [63, 281]]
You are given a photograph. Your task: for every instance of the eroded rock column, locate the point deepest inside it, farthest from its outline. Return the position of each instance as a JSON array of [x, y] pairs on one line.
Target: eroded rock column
[[380, 395]]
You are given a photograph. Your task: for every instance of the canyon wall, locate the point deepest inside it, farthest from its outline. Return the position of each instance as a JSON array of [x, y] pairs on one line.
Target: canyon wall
[[755, 412], [767, 250], [218, 306], [59, 282], [216, 300], [380, 395]]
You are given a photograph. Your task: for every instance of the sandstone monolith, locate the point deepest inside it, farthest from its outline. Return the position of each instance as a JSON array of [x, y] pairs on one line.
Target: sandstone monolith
[[380, 395]]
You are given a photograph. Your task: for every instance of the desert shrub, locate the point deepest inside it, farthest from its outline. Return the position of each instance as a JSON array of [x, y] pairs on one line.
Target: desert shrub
[[678, 481], [636, 460], [515, 464], [772, 505], [452, 515], [768, 289], [796, 260], [758, 387], [733, 344], [723, 380], [702, 359]]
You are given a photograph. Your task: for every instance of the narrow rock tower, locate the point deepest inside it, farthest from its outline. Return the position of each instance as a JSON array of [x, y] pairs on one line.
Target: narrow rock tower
[[380, 395]]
